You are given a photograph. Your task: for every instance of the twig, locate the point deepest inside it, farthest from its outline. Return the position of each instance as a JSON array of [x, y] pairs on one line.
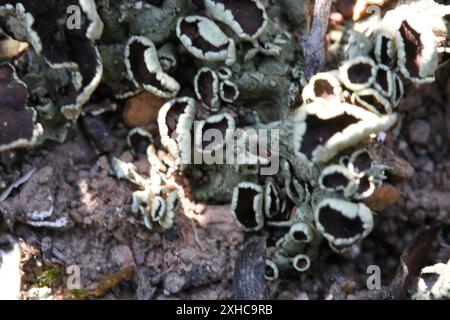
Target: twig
[[413, 259], [313, 45], [5, 194], [249, 282]]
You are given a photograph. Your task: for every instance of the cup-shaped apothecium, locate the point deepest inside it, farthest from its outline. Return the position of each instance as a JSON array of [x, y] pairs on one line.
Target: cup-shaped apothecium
[[247, 18], [271, 270], [229, 91], [323, 129], [323, 85], [138, 139], [372, 100], [17, 126], [175, 122], [385, 53], [144, 68], [384, 82], [206, 85], [74, 50], [247, 206], [338, 178], [272, 202], [342, 222], [212, 134], [205, 40], [301, 262], [360, 162], [358, 73]]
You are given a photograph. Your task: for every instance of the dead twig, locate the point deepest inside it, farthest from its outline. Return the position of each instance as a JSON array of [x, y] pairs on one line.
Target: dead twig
[[313, 45], [5, 194], [413, 259], [249, 282]]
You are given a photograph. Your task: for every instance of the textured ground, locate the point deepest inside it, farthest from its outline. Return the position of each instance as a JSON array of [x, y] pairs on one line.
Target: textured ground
[[195, 259]]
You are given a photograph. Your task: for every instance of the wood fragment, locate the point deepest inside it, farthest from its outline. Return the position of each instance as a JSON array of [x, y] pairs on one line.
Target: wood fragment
[[249, 282], [5, 194], [384, 197], [400, 168], [414, 258], [313, 45], [111, 281]]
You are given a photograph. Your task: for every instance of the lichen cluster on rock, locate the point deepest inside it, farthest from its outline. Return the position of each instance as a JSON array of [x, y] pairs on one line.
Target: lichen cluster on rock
[[328, 145], [225, 71]]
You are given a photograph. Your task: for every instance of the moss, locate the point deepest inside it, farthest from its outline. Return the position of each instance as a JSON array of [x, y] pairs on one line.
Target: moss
[[49, 277], [78, 294]]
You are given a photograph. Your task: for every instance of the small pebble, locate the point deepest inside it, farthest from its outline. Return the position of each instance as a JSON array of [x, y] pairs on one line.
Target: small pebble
[[142, 109], [419, 131]]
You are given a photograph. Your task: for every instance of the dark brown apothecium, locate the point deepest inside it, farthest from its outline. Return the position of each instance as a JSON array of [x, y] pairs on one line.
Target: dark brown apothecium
[[17, 128]]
